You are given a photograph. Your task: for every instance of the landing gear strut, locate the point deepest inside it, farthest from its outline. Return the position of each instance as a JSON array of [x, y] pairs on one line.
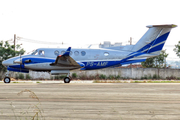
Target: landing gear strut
[[7, 79], [67, 79]]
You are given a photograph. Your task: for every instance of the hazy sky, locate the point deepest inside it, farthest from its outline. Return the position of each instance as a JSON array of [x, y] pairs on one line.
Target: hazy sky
[[84, 22]]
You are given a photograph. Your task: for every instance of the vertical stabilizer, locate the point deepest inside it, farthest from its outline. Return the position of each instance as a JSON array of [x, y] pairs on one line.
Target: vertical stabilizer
[[154, 39]]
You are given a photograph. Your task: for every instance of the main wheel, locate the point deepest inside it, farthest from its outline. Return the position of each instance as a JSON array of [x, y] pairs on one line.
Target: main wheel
[[67, 80], [7, 80]]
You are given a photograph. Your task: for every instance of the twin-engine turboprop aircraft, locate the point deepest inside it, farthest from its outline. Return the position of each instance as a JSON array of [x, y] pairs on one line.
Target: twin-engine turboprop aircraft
[[62, 61]]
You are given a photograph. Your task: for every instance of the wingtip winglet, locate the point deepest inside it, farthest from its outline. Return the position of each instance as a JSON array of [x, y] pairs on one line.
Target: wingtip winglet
[[67, 52]]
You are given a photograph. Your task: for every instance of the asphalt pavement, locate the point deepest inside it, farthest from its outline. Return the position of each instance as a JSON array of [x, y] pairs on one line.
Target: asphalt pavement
[[92, 101]]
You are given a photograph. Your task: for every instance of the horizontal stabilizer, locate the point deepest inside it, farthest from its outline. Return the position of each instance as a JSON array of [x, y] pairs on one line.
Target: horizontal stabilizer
[[163, 26]]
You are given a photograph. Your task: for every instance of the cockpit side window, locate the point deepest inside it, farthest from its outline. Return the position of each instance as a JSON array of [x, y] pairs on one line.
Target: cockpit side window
[[41, 52]]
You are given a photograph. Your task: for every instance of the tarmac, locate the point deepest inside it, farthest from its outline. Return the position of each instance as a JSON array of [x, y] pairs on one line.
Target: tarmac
[[91, 101]]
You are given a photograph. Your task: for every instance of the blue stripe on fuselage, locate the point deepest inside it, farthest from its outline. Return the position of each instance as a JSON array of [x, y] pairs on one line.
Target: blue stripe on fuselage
[[18, 70], [133, 61], [99, 64]]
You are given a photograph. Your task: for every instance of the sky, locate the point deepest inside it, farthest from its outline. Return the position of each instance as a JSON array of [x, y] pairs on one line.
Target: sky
[[79, 23]]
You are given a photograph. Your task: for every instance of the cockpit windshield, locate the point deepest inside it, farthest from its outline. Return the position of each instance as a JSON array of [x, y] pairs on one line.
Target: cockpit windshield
[[38, 52], [35, 52]]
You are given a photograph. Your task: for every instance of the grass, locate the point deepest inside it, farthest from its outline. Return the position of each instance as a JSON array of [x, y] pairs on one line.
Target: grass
[[15, 82], [108, 81], [136, 81]]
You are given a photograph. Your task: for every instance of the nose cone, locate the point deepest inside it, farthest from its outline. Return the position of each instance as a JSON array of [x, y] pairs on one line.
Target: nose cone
[[10, 61], [7, 63]]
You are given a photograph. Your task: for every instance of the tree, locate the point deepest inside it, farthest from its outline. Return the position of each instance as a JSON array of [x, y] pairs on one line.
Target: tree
[[177, 49], [156, 62], [161, 59], [7, 51], [149, 63]]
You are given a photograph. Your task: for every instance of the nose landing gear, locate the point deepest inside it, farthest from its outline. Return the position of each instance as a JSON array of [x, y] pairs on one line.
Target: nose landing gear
[[7, 79]]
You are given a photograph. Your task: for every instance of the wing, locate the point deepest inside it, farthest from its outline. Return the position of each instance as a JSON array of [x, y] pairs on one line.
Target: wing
[[66, 60]]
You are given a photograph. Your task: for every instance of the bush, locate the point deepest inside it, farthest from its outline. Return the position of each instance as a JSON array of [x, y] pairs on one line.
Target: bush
[[62, 77], [83, 77], [145, 77], [103, 77], [74, 75], [149, 77], [111, 77], [28, 77], [155, 76], [56, 77], [21, 76], [117, 77], [16, 76], [171, 78], [91, 77]]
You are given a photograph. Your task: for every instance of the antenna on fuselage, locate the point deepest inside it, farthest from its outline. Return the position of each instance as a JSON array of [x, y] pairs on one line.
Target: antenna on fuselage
[[90, 46]]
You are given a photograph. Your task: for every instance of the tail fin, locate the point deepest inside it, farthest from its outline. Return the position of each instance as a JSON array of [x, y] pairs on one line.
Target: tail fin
[[154, 39]]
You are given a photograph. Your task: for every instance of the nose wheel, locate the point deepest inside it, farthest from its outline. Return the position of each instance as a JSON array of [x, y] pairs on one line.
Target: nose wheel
[[7, 80]]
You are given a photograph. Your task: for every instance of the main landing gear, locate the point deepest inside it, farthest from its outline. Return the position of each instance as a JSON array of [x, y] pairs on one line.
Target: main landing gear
[[67, 79], [7, 79]]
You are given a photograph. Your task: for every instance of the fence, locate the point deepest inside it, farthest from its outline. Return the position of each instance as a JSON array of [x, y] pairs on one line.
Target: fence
[[134, 73]]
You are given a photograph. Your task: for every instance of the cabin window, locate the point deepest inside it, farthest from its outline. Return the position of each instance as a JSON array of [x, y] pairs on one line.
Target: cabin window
[[41, 52], [62, 52], [83, 53], [76, 53], [106, 54], [56, 52], [71, 53]]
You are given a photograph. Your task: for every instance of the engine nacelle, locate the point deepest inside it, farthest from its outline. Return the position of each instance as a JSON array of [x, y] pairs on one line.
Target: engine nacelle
[[36, 60]]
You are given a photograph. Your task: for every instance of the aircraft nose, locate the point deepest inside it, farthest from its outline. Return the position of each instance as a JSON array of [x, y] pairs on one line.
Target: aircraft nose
[[6, 63], [9, 62]]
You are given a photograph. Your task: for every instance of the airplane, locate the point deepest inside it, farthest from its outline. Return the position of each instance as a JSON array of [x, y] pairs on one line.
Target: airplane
[[62, 61]]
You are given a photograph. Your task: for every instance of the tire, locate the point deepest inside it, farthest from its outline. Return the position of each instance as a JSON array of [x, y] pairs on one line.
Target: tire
[[67, 80], [7, 80]]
